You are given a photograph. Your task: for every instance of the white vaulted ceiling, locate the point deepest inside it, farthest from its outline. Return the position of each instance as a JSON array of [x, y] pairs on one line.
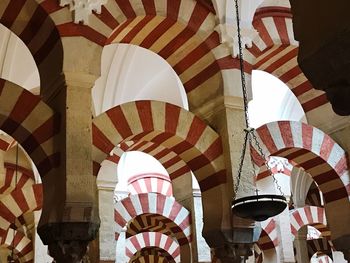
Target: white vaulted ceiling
[[130, 73], [16, 62]]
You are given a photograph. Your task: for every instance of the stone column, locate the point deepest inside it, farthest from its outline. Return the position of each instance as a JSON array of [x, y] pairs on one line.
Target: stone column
[[106, 183], [226, 115], [300, 244], [233, 253], [68, 235]]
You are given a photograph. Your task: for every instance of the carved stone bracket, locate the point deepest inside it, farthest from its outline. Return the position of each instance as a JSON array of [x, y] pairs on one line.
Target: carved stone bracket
[[228, 36], [234, 252], [83, 8], [68, 241]]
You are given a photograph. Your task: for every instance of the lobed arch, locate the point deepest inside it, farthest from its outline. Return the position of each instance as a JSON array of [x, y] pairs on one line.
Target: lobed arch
[[275, 51], [22, 246], [39, 33], [153, 240], [176, 129], [319, 155], [164, 209]]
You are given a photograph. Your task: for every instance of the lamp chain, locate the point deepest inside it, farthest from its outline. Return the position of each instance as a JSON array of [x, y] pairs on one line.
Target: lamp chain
[[249, 132]]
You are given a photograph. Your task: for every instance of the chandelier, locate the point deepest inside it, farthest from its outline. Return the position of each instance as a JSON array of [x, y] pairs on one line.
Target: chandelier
[[255, 207]]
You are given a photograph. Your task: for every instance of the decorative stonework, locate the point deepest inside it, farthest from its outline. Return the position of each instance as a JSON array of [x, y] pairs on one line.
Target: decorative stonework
[[83, 8], [228, 35]]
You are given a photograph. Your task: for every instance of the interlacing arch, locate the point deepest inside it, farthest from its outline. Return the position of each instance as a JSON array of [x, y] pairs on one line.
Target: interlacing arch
[[22, 246], [275, 51], [155, 204], [153, 240], [31, 123]]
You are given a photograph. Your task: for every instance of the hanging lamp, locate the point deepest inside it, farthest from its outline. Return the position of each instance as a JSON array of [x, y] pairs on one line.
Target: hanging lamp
[[255, 207], [11, 257]]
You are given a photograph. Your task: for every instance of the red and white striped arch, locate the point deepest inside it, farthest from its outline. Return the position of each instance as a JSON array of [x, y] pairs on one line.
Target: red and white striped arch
[[25, 178], [6, 142], [19, 202], [320, 246], [31, 123], [155, 223], [168, 125], [275, 51], [308, 215], [156, 252], [152, 203], [180, 31], [152, 239], [31, 23], [311, 149], [313, 196], [22, 246], [150, 183], [171, 161], [269, 237], [282, 167], [150, 259]]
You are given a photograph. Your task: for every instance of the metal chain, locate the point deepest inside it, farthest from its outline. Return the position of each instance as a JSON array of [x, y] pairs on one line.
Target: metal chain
[[249, 131], [279, 188]]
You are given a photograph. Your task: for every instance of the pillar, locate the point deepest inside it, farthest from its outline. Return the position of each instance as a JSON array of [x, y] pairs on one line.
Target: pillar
[[106, 183], [300, 244], [226, 115], [73, 223]]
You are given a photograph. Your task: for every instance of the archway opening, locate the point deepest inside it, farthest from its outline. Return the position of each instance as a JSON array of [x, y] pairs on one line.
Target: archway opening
[[272, 101]]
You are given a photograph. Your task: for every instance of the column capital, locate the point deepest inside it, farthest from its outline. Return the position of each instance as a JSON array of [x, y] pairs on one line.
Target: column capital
[[216, 105], [236, 253], [80, 79]]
